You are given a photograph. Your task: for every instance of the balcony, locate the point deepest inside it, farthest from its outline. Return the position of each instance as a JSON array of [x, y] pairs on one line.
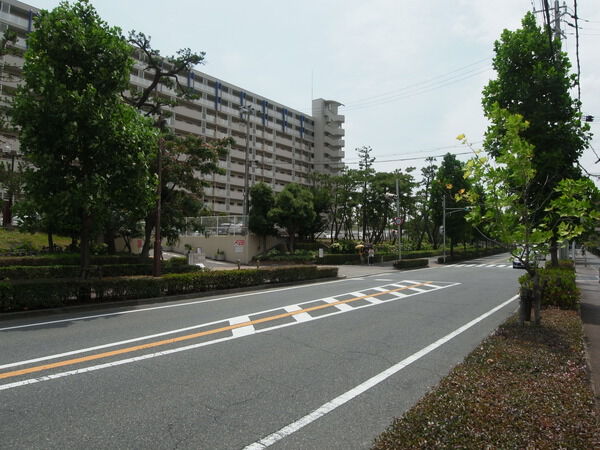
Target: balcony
[[333, 142], [335, 130]]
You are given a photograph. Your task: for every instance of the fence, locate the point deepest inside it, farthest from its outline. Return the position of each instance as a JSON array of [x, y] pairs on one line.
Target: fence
[[216, 226]]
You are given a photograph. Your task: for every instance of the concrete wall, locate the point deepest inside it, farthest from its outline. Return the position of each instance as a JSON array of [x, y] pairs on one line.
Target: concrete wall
[[242, 248]]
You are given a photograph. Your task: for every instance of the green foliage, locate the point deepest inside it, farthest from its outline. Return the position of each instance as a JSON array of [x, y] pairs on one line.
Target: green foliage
[[89, 151], [523, 387], [343, 246], [410, 263], [558, 286], [462, 255], [36, 294], [65, 259], [293, 206], [341, 258], [262, 201]]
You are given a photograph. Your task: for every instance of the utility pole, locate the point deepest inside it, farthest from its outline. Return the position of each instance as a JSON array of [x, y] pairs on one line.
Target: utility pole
[[246, 110], [398, 223]]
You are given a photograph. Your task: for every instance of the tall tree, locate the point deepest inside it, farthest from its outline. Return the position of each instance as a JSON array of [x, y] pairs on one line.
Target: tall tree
[[533, 80], [448, 184], [366, 173], [181, 194], [90, 152], [293, 207], [423, 216], [262, 201]]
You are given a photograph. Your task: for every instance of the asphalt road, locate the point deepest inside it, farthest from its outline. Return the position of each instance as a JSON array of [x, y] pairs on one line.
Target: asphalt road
[[324, 365]]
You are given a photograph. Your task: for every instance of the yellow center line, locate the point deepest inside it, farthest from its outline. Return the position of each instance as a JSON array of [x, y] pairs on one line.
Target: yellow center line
[[187, 337]]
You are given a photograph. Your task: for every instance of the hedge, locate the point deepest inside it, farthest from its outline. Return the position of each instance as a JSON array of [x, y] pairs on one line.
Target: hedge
[[469, 254], [411, 263], [71, 259], [558, 287], [70, 271], [36, 294]]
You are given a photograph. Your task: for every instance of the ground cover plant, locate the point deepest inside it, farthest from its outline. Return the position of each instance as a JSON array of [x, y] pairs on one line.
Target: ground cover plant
[[13, 241], [523, 387]]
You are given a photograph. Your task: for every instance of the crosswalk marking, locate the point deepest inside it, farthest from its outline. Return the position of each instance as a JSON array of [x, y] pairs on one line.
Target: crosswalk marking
[[486, 266]]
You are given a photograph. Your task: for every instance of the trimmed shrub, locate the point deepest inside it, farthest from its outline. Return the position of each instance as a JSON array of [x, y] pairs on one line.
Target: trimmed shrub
[[558, 287], [37, 294], [462, 255], [71, 271], [68, 260], [340, 258], [411, 263]]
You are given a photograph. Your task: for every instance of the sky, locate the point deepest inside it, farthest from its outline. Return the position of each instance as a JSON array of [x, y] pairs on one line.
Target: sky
[[409, 73]]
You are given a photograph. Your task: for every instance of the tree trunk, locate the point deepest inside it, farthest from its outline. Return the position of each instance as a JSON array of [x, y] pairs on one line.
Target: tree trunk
[[525, 305], [554, 252], [7, 212], [86, 227], [50, 242], [109, 240], [148, 228]]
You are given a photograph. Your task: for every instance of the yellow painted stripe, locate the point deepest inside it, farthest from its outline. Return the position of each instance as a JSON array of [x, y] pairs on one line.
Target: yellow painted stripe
[[187, 337]]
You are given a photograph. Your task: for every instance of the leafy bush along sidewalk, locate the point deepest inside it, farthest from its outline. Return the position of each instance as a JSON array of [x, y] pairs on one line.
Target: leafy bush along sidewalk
[[524, 387], [37, 294]]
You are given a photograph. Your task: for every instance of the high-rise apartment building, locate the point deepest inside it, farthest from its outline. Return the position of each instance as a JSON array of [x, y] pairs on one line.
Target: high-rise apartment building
[[285, 145]]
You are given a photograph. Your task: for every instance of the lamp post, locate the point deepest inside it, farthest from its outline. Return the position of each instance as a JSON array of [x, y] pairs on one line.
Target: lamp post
[[398, 220], [246, 110]]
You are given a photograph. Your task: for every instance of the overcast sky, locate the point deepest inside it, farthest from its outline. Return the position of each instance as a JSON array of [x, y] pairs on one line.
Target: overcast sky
[[410, 73]]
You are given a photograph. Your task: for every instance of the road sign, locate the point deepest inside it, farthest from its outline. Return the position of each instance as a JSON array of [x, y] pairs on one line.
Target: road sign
[[398, 220]]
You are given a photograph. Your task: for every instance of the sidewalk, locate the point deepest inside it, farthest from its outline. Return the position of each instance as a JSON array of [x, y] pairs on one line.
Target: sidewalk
[[587, 269]]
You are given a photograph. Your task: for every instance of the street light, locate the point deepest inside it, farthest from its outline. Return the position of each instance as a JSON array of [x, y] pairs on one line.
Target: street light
[[246, 110]]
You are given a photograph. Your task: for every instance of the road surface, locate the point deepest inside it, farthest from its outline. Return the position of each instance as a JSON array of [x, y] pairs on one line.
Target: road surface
[[323, 365]]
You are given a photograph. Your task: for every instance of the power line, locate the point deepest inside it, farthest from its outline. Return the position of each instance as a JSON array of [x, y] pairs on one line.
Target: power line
[[411, 159]]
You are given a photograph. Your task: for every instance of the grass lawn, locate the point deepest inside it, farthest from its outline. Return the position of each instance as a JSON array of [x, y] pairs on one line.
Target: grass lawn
[[13, 239], [523, 387]]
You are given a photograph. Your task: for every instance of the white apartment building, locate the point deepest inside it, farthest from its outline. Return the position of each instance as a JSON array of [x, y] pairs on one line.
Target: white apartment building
[[285, 145]]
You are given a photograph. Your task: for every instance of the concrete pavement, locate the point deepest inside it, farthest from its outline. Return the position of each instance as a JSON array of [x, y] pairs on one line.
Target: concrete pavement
[[588, 282]]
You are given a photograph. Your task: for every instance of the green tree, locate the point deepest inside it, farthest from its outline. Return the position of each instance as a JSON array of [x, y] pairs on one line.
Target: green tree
[[293, 206], [262, 201], [183, 159], [89, 151], [423, 222], [449, 184], [533, 80], [508, 212]]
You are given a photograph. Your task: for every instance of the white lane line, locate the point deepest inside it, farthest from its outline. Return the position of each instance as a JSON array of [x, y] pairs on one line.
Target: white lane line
[[383, 279], [368, 384], [341, 306], [177, 305], [302, 317], [242, 331], [299, 318], [450, 265], [419, 289]]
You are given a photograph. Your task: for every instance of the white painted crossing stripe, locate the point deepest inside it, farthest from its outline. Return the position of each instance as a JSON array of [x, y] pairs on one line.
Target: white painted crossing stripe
[[418, 289], [242, 331], [459, 265], [174, 350], [176, 305], [480, 265], [502, 265], [368, 384], [341, 306], [302, 317]]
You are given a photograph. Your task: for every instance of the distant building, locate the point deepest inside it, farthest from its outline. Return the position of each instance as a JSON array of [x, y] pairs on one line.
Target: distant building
[[286, 145]]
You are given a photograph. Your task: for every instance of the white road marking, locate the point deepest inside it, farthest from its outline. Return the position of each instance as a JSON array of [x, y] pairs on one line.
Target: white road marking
[[502, 265], [242, 331], [341, 306], [177, 305], [302, 317], [368, 384], [289, 308], [383, 279]]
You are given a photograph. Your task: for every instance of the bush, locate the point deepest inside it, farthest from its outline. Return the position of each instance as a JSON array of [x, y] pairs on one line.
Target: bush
[[558, 287], [462, 255], [72, 271], [410, 263], [36, 294], [338, 259], [69, 259]]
